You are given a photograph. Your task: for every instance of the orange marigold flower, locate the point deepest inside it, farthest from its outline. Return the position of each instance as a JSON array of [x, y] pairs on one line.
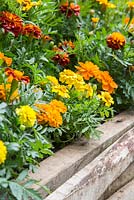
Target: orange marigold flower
[[61, 57], [48, 115], [116, 41], [66, 44], [127, 20], [107, 81], [11, 23], [87, 69], [32, 30], [7, 60], [70, 9], [17, 75], [58, 105], [5, 90]]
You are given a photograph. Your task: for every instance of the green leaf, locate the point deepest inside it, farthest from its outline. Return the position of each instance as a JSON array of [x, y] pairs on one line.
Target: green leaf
[[16, 190], [22, 175], [13, 146]]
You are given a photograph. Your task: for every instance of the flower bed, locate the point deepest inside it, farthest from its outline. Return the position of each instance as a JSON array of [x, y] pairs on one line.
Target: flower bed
[[66, 66]]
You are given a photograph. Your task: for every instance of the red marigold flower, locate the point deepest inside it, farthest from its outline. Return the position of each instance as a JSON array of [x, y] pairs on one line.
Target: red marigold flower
[[70, 9], [62, 59], [116, 40], [17, 75], [32, 30], [11, 23], [66, 44]]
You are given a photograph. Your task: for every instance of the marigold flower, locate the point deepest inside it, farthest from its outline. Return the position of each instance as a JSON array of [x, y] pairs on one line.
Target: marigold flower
[[95, 19], [49, 115], [27, 116], [107, 81], [106, 4], [66, 44], [130, 5], [7, 60], [32, 30], [70, 9], [52, 80], [5, 90], [87, 69], [11, 23], [58, 105], [3, 152], [71, 78], [116, 41], [61, 58], [28, 4], [17, 75], [127, 20], [106, 98], [61, 90]]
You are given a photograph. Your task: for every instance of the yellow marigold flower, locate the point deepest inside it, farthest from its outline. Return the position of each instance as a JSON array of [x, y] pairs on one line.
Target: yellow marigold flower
[[28, 4], [116, 41], [61, 90], [87, 69], [95, 19], [107, 4], [106, 98], [71, 78], [27, 116], [88, 90], [108, 83], [3, 152], [130, 5], [53, 80], [5, 90], [58, 105]]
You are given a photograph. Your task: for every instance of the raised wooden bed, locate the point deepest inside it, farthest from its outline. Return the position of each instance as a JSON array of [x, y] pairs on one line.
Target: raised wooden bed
[[56, 170]]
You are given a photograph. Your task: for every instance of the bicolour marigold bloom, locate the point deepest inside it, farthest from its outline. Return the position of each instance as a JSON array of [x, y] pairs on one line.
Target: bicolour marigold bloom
[[95, 19], [106, 98], [130, 5], [87, 69], [61, 90], [3, 152], [62, 58], [27, 116], [32, 31], [116, 40], [7, 60], [106, 4], [49, 115], [107, 81], [5, 90], [17, 75], [66, 44], [11, 23], [70, 9]]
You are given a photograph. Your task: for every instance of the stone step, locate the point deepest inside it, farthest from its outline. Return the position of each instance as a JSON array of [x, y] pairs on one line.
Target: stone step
[[125, 193], [57, 169], [93, 180], [122, 180]]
